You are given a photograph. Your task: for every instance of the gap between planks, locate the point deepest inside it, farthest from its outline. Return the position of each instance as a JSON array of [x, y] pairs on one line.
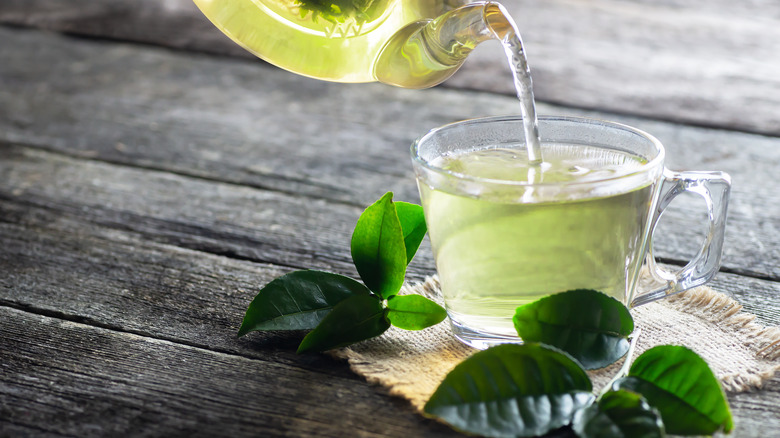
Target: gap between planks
[[83, 321]]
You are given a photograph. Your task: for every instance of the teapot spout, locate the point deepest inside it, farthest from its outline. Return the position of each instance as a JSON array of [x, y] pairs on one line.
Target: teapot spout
[[427, 52]]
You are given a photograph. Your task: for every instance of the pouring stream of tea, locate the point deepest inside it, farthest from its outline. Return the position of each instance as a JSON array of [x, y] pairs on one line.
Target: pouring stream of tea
[[505, 30]]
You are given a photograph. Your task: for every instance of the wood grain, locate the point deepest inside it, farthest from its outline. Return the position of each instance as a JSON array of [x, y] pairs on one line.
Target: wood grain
[[154, 109], [172, 23], [69, 263], [277, 228], [63, 378], [706, 62]]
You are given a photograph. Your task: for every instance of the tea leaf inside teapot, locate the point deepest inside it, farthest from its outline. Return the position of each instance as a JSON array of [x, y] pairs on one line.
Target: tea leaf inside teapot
[[339, 11]]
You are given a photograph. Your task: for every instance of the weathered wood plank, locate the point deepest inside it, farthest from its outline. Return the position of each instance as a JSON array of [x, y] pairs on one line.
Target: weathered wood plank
[[154, 109], [172, 23], [706, 62], [54, 264], [247, 223], [702, 62], [66, 263], [67, 379], [758, 297], [755, 413], [57, 262], [228, 120], [219, 218]]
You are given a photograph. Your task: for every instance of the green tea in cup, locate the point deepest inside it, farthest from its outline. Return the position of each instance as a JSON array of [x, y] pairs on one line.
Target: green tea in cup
[[506, 232]]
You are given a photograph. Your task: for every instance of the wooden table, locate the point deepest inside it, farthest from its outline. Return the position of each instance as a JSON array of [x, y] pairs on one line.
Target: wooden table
[[150, 185]]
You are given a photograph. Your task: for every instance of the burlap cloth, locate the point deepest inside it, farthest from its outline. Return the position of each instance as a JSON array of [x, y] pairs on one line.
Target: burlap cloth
[[741, 353]]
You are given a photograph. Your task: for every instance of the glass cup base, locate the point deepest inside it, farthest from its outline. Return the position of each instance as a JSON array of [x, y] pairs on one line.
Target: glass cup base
[[480, 339]]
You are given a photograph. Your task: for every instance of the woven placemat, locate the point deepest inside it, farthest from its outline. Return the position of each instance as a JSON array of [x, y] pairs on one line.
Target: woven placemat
[[741, 353]]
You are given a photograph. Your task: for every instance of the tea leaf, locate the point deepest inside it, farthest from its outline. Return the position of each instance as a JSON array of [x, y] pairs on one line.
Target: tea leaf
[[414, 312], [339, 11], [413, 225], [587, 324], [298, 301], [355, 319], [678, 382], [512, 390], [619, 414], [378, 248]]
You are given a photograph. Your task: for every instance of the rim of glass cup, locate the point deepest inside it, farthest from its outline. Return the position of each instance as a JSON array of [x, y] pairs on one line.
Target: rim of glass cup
[[642, 169]]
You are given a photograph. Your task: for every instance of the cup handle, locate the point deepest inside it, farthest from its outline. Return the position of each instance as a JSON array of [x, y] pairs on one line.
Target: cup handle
[[714, 187]]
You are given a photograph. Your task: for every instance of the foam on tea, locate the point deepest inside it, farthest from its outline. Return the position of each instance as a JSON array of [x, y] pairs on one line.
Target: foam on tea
[[579, 239]]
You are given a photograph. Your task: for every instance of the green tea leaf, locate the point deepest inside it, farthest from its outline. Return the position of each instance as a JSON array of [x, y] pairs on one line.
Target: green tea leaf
[[378, 248], [587, 324], [414, 312], [298, 301], [512, 390], [413, 225], [619, 414], [355, 319], [339, 11], [678, 382]]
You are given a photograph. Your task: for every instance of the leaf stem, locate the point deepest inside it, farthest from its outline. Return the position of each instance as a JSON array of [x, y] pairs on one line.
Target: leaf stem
[[623, 372]]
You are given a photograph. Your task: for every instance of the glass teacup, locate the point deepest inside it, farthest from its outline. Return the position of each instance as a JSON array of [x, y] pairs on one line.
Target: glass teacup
[[505, 233]]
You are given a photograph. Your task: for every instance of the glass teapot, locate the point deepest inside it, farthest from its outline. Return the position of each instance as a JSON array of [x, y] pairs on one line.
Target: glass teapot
[[407, 43]]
